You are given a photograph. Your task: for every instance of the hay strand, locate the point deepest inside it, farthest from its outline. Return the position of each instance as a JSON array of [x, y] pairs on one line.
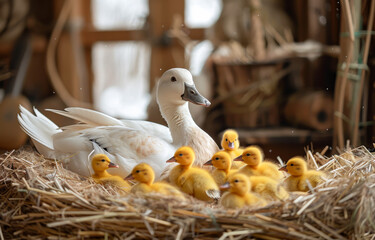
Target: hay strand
[[41, 199]]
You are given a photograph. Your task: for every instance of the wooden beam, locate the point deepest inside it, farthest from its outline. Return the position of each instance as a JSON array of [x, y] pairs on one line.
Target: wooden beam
[[90, 37]]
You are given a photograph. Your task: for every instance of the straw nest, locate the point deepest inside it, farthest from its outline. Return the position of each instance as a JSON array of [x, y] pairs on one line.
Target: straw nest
[[41, 200]]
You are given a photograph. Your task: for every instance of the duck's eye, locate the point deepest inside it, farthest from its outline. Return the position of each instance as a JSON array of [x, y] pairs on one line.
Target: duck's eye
[[236, 180], [226, 139], [137, 171], [292, 164], [248, 154], [180, 154], [217, 158], [173, 79], [103, 160]]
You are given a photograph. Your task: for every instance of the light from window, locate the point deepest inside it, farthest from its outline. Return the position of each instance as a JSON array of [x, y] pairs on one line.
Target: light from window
[[121, 86], [119, 14], [202, 13]]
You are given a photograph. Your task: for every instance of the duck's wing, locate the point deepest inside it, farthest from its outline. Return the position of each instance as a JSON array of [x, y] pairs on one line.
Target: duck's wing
[[92, 118], [87, 116], [150, 127], [127, 146]]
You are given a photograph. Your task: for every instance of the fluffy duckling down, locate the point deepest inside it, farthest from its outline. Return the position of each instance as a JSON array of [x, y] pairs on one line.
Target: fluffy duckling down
[[100, 163], [145, 175], [268, 188], [231, 144], [299, 175], [222, 162], [194, 181], [239, 194], [253, 157]]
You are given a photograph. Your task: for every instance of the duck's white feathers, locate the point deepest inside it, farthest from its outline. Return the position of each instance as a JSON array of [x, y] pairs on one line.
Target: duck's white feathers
[[128, 142], [87, 116], [40, 129]]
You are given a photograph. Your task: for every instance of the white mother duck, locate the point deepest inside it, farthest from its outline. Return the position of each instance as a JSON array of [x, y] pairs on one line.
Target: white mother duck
[[126, 142]]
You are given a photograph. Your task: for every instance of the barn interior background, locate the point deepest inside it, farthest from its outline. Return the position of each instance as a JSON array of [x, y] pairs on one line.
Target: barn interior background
[[295, 77], [281, 73]]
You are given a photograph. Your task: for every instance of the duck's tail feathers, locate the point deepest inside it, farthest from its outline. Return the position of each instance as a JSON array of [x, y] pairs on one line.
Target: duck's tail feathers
[[40, 129], [87, 116]]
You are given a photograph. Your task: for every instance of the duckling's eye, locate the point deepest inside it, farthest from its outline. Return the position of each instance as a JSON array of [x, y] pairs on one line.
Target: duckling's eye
[[226, 139], [292, 164], [248, 154], [103, 160], [180, 154], [236, 180], [217, 158], [137, 171], [173, 79]]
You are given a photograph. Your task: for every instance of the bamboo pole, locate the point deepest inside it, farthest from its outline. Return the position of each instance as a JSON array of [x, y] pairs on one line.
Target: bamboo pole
[[341, 80], [355, 138]]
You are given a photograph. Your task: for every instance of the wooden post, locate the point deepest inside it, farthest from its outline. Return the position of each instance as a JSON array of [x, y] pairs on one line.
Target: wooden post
[[165, 53]]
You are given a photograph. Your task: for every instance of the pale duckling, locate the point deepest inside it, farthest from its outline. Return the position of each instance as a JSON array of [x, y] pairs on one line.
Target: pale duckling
[[268, 188], [191, 180], [100, 163], [299, 175], [145, 175], [231, 144], [253, 157], [222, 162], [239, 194]]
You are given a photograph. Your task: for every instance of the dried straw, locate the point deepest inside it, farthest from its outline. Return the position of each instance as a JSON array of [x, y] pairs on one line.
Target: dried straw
[[40, 199]]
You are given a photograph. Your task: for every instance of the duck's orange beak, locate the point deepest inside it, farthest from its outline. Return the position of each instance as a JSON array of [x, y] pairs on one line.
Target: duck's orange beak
[[225, 186], [172, 159], [283, 168], [112, 165], [129, 177], [208, 163], [239, 158]]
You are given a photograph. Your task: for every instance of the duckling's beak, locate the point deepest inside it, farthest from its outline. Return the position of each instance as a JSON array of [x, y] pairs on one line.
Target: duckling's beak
[[239, 158], [112, 165], [231, 145], [129, 177], [172, 159], [191, 94], [283, 168], [225, 186], [208, 162]]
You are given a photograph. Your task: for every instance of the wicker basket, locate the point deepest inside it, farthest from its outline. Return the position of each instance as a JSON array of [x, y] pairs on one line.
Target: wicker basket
[[250, 92]]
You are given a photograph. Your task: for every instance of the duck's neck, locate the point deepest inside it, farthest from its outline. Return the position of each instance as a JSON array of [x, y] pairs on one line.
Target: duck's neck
[[179, 121], [253, 166], [148, 183], [186, 167], [102, 174]]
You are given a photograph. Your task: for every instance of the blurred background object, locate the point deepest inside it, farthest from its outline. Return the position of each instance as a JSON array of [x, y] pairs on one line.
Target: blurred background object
[[269, 67]]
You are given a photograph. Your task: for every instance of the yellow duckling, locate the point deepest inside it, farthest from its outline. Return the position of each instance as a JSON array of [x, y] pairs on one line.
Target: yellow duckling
[[100, 163], [231, 145], [253, 157], [222, 162], [299, 175], [191, 180], [268, 188], [145, 175], [239, 194]]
